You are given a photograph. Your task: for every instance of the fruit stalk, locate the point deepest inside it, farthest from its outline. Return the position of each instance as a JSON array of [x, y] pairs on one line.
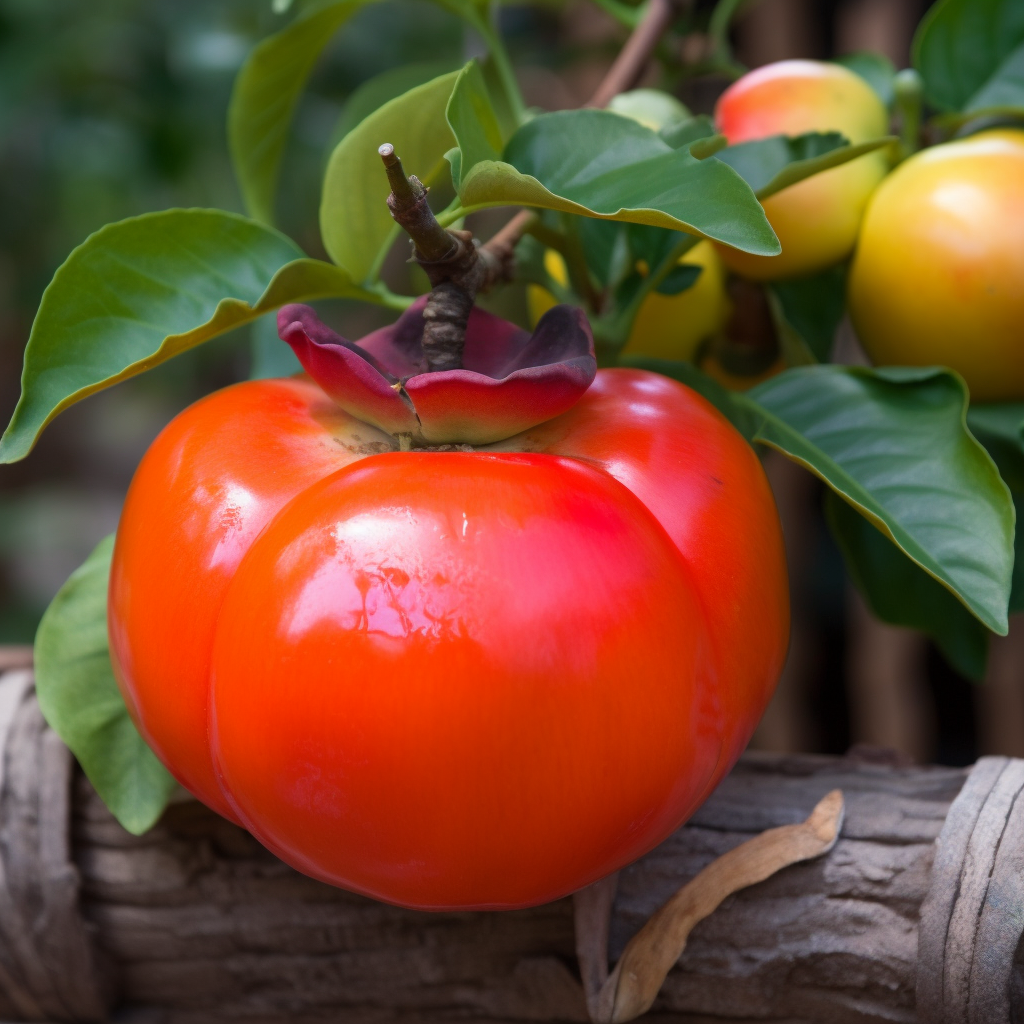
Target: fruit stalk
[[456, 266]]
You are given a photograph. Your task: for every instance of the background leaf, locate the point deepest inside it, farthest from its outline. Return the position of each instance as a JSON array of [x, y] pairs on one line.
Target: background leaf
[[355, 222], [78, 696], [683, 133], [373, 94], [807, 313], [270, 356], [596, 163], [1000, 428], [964, 48], [1004, 91], [770, 165], [138, 292], [264, 97], [473, 121], [902, 594]]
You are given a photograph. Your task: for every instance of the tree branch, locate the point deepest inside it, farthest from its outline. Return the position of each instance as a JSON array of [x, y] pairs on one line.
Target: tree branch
[[634, 57]]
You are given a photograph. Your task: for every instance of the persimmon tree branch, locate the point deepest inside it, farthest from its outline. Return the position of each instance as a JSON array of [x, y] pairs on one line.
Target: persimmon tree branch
[[634, 57]]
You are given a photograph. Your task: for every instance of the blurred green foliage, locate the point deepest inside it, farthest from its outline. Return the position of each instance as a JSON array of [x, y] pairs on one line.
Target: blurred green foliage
[[112, 108]]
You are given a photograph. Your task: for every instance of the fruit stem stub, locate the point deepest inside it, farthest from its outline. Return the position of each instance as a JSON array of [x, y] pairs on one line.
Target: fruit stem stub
[[455, 264]]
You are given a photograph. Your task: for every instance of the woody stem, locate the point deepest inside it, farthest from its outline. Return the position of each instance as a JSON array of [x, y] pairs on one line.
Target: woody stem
[[456, 267]]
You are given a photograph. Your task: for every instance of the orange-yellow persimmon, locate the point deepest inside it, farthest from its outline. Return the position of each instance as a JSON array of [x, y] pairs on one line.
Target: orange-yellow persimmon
[[818, 218], [938, 277]]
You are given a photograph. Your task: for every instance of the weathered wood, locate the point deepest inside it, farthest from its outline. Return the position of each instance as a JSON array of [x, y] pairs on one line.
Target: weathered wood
[[49, 968], [199, 923]]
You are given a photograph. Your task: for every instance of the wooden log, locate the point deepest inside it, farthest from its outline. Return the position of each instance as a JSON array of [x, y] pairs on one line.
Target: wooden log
[[196, 922]]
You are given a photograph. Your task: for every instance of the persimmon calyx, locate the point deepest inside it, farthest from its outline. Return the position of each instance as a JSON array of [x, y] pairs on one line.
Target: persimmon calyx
[[510, 380]]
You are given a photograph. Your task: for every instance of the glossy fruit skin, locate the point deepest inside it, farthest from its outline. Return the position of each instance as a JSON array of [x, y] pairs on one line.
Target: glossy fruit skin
[[817, 219], [667, 326], [450, 679], [938, 276]]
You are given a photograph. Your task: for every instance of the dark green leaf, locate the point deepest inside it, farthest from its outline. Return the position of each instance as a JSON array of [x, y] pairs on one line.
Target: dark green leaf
[[473, 121], [893, 443], [770, 165], [807, 313], [595, 163], [606, 248], [1000, 428], [877, 70], [679, 279], [473, 11], [681, 135], [265, 94], [355, 223], [964, 51], [503, 104], [138, 292], [78, 696], [373, 94], [902, 594], [703, 148], [1004, 91]]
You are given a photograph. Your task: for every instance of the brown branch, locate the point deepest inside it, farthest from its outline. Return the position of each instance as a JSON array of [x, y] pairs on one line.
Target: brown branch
[[634, 57]]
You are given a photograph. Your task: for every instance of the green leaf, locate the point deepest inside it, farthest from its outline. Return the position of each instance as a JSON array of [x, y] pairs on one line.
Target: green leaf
[[265, 95], [473, 11], [473, 121], [78, 696], [893, 444], [902, 594], [1000, 428], [598, 164], [807, 313], [504, 104], [1004, 91], [138, 292], [355, 222], [681, 135], [770, 165], [679, 279], [373, 94], [968, 53], [875, 68]]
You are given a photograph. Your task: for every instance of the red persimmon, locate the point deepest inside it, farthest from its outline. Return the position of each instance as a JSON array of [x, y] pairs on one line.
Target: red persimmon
[[477, 677]]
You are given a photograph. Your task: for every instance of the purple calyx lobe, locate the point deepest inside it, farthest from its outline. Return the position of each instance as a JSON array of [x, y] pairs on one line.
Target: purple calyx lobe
[[510, 379]]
